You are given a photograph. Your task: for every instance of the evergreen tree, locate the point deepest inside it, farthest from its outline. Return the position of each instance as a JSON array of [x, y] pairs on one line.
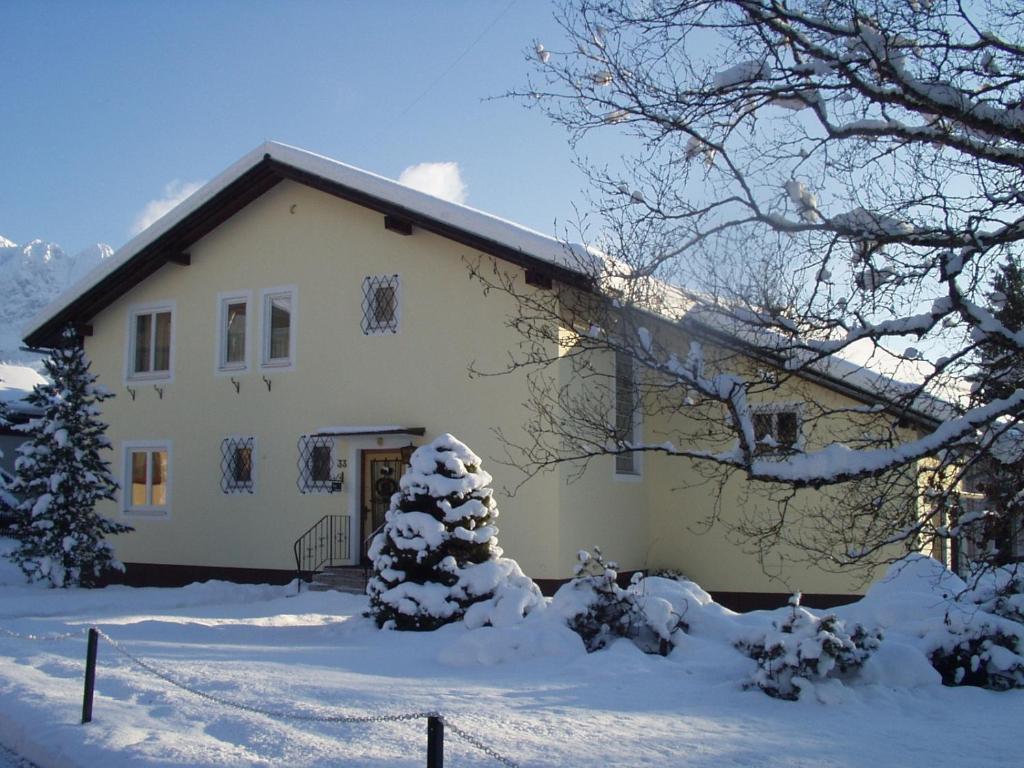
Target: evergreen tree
[[7, 501], [60, 476], [437, 559], [1000, 373]]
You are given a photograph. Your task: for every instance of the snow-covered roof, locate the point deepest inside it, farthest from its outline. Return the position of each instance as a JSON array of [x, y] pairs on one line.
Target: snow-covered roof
[[168, 238], [454, 215], [16, 382]]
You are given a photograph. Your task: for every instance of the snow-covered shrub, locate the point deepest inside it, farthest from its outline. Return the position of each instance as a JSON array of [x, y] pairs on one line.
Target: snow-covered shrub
[[60, 476], [599, 610], [668, 573], [437, 559], [1000, 591], [805, 649], [979, 649]]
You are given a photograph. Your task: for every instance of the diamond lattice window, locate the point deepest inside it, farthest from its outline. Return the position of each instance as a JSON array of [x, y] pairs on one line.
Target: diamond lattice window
[[236, 464], [316, 465], [380, 304]]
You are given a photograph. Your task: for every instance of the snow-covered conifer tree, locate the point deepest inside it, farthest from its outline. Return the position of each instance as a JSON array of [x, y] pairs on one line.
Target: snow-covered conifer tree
[[60, 476], [7, 501], [437, 559]]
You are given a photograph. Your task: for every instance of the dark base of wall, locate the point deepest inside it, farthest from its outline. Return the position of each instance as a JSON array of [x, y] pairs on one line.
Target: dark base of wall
[[159, 575], [741, 602]]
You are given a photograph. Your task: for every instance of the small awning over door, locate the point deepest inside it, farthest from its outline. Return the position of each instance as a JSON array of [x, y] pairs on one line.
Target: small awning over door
[[353, 431]]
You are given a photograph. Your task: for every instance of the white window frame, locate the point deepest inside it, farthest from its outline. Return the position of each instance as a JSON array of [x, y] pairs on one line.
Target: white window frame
[[224, 300], [636, 473], [155, 308], [278, 364], [149, 446], [773, 409], [248, 489], [396, 324]]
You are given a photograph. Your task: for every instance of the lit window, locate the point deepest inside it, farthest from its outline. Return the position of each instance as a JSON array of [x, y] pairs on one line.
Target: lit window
[[380, 304], [234, 316], [776, 430], [150, 344], [236, 465], [147, 469], [316, 465], [626, 412], [278, 327]]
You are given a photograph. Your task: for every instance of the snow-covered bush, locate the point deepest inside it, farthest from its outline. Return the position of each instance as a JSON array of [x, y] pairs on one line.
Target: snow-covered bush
[[599, 610], [1000, 591], [60, 476], [978, 648], [437, 559], [805, 649], [668, 573]]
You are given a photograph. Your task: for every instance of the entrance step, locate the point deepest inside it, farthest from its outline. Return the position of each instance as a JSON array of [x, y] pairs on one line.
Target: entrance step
[[352, 580]]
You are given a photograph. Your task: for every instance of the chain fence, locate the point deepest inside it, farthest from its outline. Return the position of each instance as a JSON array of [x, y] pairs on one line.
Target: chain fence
[[275, 714]]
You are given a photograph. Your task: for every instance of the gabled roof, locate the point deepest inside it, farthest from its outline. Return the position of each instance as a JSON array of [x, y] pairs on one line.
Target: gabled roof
[[169, 238]]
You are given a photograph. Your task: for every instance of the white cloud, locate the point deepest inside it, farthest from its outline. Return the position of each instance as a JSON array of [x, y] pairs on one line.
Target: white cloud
[[439, 179], [174, 193]]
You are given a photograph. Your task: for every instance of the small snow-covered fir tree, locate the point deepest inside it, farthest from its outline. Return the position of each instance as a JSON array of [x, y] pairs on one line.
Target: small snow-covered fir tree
[[437, 558], [599, 610], [60, 476], [804, 649]]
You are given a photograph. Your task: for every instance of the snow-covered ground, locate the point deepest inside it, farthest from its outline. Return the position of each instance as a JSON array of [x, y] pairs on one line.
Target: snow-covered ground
[[530, 692]]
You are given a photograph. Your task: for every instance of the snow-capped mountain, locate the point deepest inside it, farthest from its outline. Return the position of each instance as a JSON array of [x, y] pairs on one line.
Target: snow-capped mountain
[[31, 276]]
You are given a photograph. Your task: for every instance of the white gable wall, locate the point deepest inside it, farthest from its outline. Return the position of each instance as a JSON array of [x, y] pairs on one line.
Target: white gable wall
[[296, 236]]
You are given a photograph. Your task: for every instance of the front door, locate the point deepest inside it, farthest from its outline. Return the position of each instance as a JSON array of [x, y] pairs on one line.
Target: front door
[[380, 473]]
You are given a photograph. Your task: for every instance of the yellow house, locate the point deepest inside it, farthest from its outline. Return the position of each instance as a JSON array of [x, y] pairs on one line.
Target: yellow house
[[280, 341]]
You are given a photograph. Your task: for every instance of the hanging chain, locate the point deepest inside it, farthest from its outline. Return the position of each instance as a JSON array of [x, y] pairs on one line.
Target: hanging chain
[[480, 745], [272, 713]]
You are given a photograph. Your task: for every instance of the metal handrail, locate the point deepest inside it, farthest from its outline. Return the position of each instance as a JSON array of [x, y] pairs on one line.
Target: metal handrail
[[366, 546], [323, 544]]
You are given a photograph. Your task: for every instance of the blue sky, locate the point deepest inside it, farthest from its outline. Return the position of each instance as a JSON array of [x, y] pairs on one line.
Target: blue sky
[[112, 106]]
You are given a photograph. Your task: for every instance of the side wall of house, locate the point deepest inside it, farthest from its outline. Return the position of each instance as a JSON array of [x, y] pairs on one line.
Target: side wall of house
[[323, 248]]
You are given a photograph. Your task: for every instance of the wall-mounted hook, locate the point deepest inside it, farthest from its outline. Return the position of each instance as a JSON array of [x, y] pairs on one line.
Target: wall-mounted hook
[[237, 384], [131, 392], [267, 382], [159, 391]]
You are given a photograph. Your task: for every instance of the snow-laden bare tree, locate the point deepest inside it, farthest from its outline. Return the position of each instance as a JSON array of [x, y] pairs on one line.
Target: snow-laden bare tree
[[819, 179]]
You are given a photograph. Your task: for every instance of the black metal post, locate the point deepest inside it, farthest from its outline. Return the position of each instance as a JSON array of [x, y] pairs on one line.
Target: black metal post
[[435, 742], [90, 675]]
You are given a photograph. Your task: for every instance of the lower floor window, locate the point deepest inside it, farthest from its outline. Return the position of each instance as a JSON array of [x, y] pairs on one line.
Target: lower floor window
[[148, 475], [236, 465]]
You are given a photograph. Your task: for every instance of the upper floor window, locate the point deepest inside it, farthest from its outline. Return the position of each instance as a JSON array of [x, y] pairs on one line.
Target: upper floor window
[[279, 327], [233, 332], [626, 412], [380, 304], [777, 429], [147, 478], [150, 343]]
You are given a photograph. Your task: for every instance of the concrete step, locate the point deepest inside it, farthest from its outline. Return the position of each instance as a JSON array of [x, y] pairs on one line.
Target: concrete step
[[351, 580]]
